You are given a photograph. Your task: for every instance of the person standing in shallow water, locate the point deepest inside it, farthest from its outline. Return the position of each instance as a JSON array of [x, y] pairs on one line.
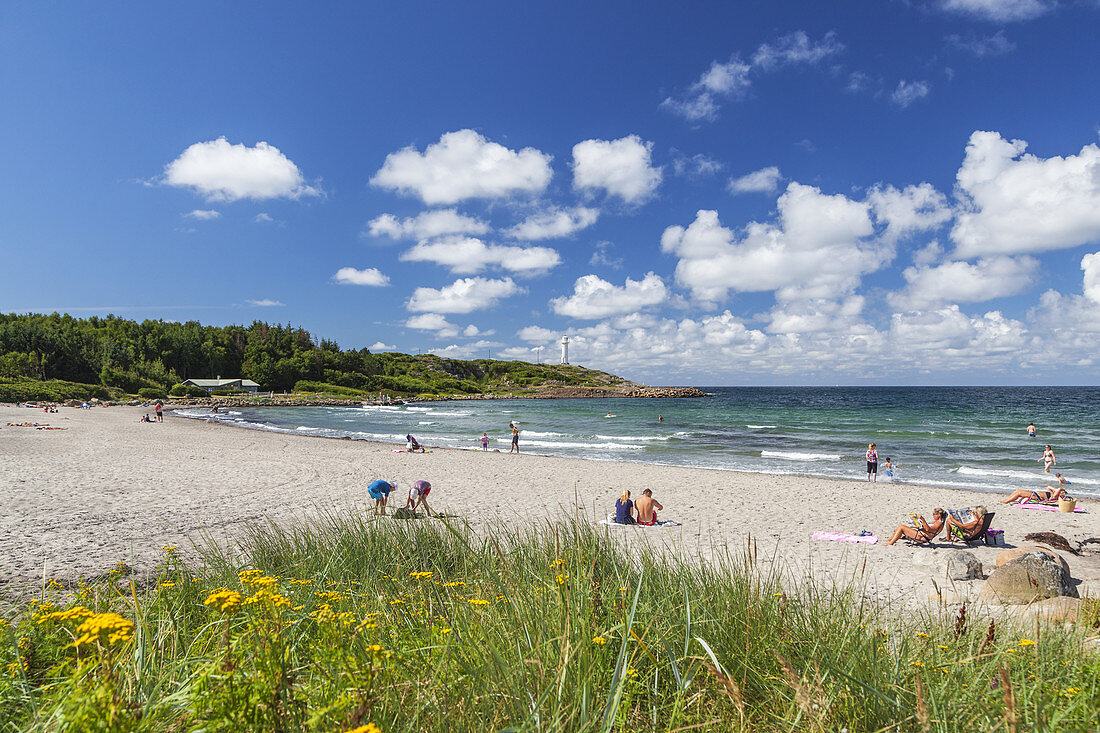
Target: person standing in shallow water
[[515, 439], [872, 463]]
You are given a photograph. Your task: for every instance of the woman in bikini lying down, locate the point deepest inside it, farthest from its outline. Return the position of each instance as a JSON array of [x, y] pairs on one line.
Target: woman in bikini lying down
[[925, 533], [1049, 496]]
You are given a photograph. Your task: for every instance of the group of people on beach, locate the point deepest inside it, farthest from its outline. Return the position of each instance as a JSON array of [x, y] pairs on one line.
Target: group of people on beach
[[966, 524], [642, 510], [380, 491]]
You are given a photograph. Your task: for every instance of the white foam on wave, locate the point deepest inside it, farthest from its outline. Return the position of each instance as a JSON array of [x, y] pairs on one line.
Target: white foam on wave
[[411, 408], [761, 427], [456, 413], [797, 456], [425, 422], [306, 427], [585, 446], [549, 434], [1016, 474], [633, 437]]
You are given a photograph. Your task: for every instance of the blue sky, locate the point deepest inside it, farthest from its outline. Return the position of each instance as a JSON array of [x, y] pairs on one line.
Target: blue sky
[[753, 193]]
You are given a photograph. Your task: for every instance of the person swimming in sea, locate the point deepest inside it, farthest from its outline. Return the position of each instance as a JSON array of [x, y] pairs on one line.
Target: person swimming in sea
[[1031, 432]]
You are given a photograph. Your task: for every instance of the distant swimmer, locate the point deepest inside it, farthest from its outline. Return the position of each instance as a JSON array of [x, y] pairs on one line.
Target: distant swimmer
[[609, 415], [660, 419], [1048, 459], [1031, 432]]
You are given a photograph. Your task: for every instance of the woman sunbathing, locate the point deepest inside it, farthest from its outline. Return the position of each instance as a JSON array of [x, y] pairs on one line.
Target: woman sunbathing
[[925, 533], [968, 527], [1049, 496]]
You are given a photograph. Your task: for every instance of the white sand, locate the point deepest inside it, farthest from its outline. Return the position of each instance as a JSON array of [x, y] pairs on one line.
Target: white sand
[[109, 488]]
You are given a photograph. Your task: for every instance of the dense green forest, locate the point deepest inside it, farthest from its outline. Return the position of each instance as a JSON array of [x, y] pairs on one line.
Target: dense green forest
[[60, 357]]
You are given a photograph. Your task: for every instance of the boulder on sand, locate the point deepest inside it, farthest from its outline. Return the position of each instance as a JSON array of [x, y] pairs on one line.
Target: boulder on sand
[[964, 566], [1032, 576], [1009, 555]]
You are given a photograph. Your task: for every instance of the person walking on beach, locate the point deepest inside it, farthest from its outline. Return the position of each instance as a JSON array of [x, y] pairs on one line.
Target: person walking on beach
[[1048, 459], [159, 407], [484, 441], [646, 507], [515, 439], [1031, 430], [380, 491], [872, 463]]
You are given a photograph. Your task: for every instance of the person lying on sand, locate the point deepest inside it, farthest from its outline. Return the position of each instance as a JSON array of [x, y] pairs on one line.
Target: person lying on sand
[[965, 528], [1049, 496], [380, 491], [926, 532], [645, 504], [418, 497]]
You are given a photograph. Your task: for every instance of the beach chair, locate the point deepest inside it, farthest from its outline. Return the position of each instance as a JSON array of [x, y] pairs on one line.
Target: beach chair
[[978, 535]]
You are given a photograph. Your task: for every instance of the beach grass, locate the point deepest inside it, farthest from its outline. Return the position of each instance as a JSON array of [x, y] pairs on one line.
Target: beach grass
[[351, 623]]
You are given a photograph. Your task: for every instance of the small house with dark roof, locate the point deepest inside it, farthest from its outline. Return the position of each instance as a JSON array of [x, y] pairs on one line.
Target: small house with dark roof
[[228, 385]]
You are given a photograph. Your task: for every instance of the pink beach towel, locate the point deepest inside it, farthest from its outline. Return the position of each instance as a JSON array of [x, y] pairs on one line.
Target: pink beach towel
[[842, 537], [1045, 507]]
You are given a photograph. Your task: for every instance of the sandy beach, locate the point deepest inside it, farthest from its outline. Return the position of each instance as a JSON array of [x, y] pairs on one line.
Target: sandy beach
[[111, 489]]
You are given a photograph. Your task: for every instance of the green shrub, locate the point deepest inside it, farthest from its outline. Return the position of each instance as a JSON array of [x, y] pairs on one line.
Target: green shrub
[[304, 385], [52, 390], [187, 390], [152, 393]]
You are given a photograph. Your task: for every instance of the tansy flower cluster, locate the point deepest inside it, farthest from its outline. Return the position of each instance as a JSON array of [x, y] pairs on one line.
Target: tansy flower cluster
[[224, 600], [111, 626]]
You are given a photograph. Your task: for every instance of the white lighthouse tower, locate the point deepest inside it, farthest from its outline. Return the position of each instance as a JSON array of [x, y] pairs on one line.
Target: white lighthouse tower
[[564, 349]]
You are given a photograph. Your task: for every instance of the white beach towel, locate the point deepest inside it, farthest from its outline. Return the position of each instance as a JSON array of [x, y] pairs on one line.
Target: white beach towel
[[869, 539], [613, 523]]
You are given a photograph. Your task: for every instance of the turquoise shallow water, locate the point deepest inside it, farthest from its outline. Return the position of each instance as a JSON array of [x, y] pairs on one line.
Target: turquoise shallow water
[[966, 437]]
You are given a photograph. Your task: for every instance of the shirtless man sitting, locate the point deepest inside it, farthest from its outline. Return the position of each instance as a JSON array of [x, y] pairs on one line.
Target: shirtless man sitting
[[646, 507]]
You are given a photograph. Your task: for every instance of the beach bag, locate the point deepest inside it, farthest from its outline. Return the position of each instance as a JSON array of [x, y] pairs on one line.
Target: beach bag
[[1067, 505], [995, 537]]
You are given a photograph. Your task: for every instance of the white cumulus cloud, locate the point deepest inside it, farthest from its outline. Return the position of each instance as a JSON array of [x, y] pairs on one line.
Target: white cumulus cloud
[[620, 167], [1091, 265], [594, 297], [468, 255], [818, 249], [723, 80], [265, 303], [427, 225], [908, 210], [554, 223], [369, 276], [202, 214], [380, 346], [464, 165], [224, 172], [765, 180], [465, 295], [536, 334], [962, 282], [443, 328], [1016, 202]]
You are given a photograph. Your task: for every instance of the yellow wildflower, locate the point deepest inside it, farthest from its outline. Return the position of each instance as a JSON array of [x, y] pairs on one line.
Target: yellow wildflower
[[923, 635], [478, 602], [167, 584], [368, 728], [108, 626], [562, 577], [599, 640], [444, 631], [224, 599], [1027, 642], [76, 613]]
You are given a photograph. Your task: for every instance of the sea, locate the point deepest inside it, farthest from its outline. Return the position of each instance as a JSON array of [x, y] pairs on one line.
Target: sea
[[964, 437]]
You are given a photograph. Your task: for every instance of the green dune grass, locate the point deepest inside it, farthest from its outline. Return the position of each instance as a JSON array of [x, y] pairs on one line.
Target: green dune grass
[[346, 623]]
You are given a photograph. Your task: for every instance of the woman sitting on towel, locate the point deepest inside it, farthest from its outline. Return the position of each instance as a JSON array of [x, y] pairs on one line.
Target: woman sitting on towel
[[925, 533], [412, 446], [963, 530], [624, 508]]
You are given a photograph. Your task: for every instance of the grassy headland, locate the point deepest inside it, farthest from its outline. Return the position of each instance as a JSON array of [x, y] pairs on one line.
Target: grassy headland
[[58, 357], [348, 624]]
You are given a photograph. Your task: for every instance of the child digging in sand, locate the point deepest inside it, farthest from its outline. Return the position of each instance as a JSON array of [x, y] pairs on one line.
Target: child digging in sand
[[380, 491], [418, 497]]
